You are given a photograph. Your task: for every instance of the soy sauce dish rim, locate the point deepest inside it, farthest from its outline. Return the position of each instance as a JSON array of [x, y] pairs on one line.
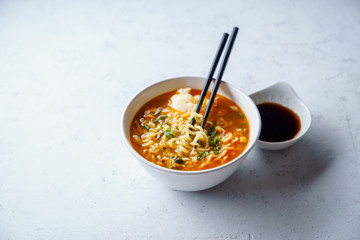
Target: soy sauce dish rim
[[305, 118]]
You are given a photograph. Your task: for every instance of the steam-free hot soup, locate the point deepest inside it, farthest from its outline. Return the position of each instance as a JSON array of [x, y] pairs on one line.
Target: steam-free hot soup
[[161, 131]]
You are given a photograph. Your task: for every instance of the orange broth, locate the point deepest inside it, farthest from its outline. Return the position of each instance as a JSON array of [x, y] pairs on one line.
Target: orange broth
[[220, 114]]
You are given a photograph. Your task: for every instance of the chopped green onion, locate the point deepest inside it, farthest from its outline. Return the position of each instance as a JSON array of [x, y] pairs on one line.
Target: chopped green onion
[[158, 128], [216, 150], [159, 118], [214, 141], [212, 132], [179, 160], [202, 155], [169, 133], [243, 124], [146, 126], [241, 114], [158, 111]]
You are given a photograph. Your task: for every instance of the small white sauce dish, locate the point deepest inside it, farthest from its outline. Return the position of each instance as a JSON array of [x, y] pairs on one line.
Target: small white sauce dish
[[191, 180], [283, 94]]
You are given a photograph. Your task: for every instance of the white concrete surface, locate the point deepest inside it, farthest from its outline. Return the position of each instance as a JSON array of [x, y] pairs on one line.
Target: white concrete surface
[[67, 69]]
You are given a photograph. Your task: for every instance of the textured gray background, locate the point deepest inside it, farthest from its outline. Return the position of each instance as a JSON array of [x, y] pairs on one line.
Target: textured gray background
[[68, 68]]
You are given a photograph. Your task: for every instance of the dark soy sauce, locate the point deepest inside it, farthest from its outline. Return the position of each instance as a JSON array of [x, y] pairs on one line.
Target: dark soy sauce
[[279, 123]]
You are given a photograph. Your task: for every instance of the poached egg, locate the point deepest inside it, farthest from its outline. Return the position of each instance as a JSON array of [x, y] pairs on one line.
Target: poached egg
[[183, 101]]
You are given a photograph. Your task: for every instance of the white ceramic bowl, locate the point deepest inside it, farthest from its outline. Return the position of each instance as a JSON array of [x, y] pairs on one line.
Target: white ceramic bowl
[[191, 180], [283, 94]]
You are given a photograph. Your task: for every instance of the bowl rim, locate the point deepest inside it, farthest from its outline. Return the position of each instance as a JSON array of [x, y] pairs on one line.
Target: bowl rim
[[182, 172]]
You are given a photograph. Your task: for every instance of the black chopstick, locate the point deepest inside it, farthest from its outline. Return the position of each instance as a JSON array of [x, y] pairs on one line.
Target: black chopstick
[[220, 74], [211, 74]]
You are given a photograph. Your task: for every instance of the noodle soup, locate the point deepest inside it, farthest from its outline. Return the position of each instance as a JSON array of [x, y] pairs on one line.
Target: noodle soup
[[161, 131]]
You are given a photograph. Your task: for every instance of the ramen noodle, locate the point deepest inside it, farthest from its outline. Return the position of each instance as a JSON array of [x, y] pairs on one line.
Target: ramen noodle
[[161, 131]]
